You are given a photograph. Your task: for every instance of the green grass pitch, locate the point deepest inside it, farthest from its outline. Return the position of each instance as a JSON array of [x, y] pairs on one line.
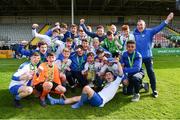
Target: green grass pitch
[[166, 106]]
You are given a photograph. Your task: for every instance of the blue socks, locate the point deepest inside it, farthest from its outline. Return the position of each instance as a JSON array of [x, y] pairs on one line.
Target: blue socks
[[54, 101], [17, 97], [83, 99]]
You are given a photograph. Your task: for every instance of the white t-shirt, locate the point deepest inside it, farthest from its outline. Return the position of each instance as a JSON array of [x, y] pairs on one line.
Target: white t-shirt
[[62, 66], [92, 67], [23, 69], [123, 38], [49, 40], [109, 91], [60, 48], [113, 68]]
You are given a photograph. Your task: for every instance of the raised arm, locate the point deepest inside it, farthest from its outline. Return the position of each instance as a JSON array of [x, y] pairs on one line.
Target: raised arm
[[44, 38], [91, 34], [163, 24], [49, 32]]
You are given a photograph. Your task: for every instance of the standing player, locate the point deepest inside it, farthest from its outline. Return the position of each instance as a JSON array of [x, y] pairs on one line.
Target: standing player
[[109, 43], [113, 29], [125, 36], [53, 42], [99, 31]]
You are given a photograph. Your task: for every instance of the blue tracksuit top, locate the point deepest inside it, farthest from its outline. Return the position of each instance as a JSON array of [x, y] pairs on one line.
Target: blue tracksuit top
[[144, 39], [137, 63], [28, 53], [60, 57], [92, 34], [78, 62]]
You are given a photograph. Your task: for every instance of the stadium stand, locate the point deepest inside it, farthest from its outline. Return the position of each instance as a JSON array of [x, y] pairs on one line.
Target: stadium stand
[[14, 33]]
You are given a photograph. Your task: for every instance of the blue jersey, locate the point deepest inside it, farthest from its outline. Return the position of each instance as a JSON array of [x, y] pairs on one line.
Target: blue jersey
[[24, 69], [28, 53], [132, 62], [78, 62], [92, 34]]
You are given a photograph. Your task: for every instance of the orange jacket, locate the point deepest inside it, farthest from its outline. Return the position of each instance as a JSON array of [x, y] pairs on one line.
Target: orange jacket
[[43, 76]]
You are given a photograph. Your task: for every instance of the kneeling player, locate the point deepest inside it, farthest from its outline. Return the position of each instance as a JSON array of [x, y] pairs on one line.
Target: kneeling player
[[20, 85]]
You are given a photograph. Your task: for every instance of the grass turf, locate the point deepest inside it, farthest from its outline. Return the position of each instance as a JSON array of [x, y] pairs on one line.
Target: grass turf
[[166, 106]]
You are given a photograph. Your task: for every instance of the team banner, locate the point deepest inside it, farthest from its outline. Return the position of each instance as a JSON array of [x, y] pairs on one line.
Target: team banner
[[161, 51]]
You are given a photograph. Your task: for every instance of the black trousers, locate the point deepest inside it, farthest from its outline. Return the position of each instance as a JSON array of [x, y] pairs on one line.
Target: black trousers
[[72, 75], [150, 71], [134, 82]]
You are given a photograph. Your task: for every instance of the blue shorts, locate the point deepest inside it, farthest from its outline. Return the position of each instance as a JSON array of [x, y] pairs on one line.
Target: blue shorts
[[96, 100], [14, 89], [29, 83]]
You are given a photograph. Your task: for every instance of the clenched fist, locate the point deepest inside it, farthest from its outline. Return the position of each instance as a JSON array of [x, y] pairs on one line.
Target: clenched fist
[[34, 26], [82, 21], [170, 17]]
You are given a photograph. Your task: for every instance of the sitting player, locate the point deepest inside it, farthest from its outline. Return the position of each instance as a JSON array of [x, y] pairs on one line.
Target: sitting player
[[20, 85], [48, 79], [90, 96], [114, 65]]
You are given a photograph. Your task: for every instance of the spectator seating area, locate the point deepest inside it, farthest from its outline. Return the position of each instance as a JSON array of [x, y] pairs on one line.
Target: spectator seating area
[[11, 34], [14, 33]]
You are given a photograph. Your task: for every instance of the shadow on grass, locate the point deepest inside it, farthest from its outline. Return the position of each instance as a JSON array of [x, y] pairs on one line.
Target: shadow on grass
[[32, 109], [87, 111], [6, 104]]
